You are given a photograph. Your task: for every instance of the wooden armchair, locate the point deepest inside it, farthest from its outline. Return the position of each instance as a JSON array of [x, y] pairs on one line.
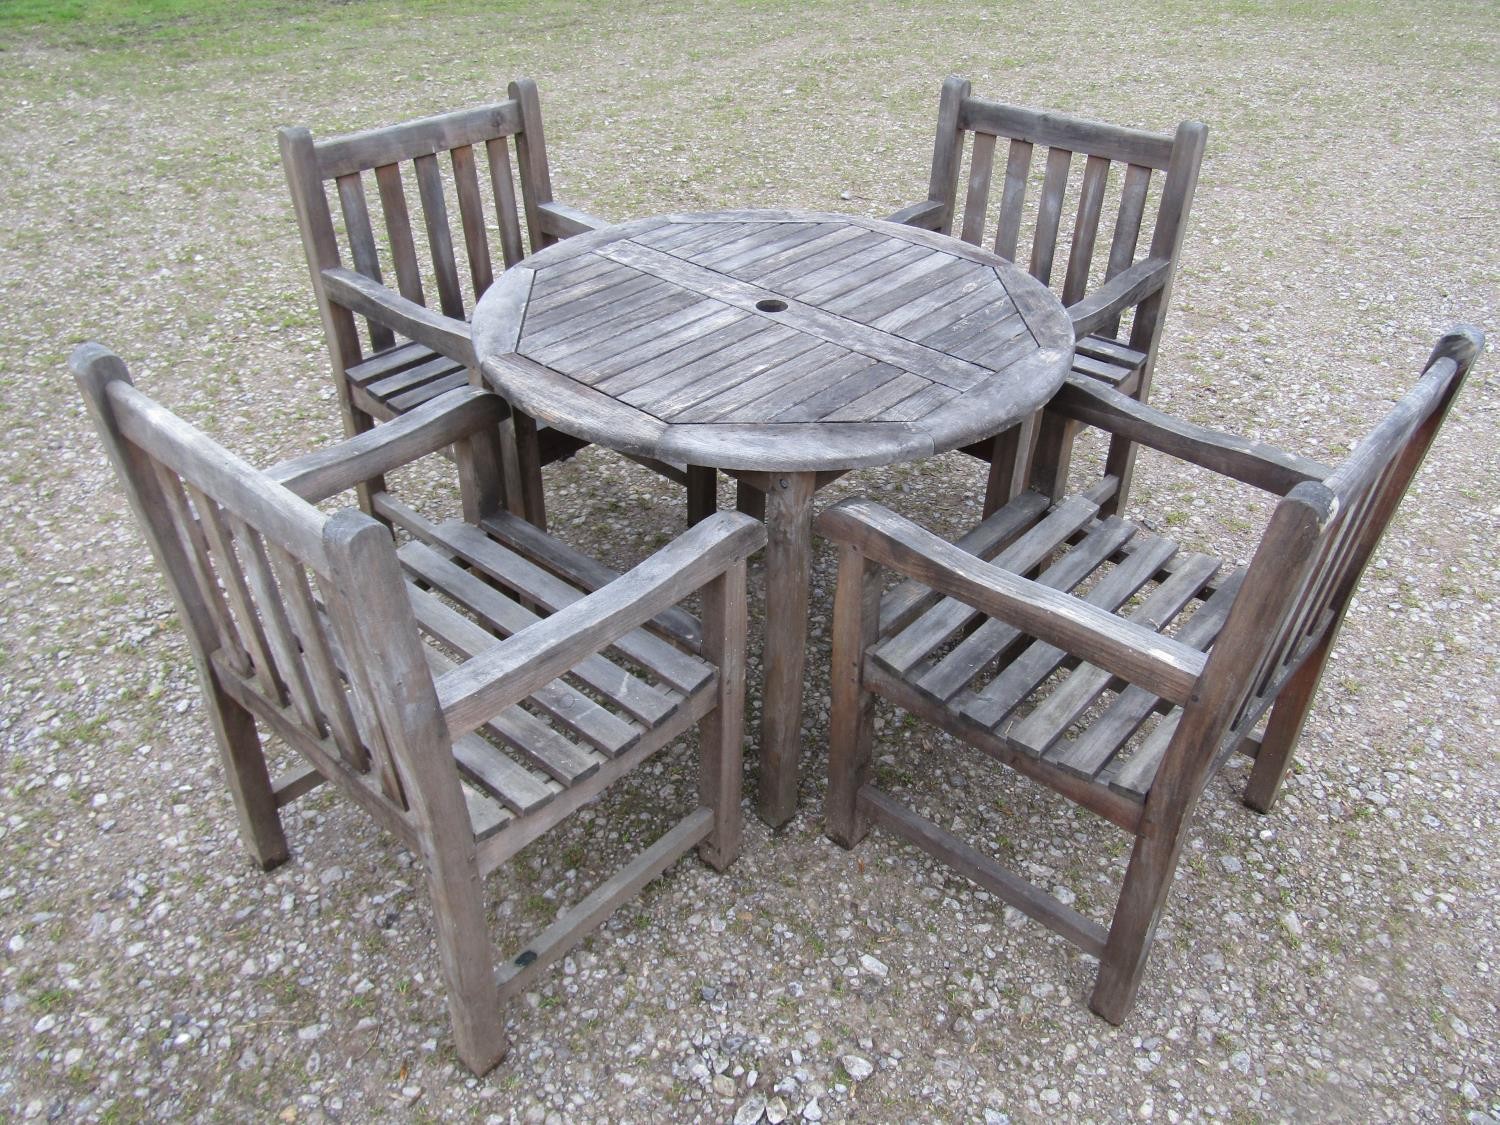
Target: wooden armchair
[[1101, 660], [411, 353], [466, 689], [1156, 170]]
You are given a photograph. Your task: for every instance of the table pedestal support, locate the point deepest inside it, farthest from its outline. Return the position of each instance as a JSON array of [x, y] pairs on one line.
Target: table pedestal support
[[788, 565]]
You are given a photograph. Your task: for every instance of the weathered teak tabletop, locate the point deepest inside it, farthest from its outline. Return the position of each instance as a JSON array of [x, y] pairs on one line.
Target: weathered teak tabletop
[[788, 347]]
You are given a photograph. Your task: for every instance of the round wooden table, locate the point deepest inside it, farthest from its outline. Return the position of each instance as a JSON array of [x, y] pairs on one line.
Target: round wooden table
[[786, 347]]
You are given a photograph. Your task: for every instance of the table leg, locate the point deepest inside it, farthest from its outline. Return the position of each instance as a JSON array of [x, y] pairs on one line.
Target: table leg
[[788, 556]]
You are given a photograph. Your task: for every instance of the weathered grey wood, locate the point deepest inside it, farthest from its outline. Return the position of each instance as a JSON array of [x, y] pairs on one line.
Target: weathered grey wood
[[721, 732], [1164, 665], [306, 622], [1140, 757], [1038, 731], [471, 219], [1054, 130], [947, 150], [947, 675], [1085, 229], [497, 153], [927, 215], [597, 725], [981, 165], [1253, 462], [563, 221], [771, 372], [513, 976], [856, 624], [1013, 198], [829, 274], [1143, 155], [415, 148], [1009, 889], [1049, 213], [902, 651], [504, 675], [788, 551], [356, 152]]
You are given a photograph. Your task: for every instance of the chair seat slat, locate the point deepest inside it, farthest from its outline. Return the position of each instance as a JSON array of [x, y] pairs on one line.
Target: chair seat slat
[[902, 651], [971, 655], [566, 704]]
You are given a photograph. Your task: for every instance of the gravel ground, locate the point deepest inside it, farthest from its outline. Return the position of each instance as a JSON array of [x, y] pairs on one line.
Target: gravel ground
[[1334, 960]]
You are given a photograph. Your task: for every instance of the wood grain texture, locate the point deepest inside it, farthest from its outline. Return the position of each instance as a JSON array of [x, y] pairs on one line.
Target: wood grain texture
[[1046, 696], [341, 643]]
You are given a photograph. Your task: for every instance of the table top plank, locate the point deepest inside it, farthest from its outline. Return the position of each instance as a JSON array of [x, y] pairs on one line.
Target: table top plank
[[794, 243], [743, 402], [669, 344], [773, 238], [800, 315], [616, 380], [771, 341]]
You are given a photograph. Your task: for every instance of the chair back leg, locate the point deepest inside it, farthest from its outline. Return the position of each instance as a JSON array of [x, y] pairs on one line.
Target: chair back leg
[[249, 783], [1284, 728]]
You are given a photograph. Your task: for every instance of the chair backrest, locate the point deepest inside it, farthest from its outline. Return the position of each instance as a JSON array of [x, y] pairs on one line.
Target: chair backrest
[[300, 615], [1315, 548], [1154, 169], [424, 258]]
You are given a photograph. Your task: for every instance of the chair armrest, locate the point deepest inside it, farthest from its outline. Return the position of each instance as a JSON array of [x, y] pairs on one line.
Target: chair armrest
[[327, 472], [1126, 289], [371, 299], [1251, 462], [507, 673], [928, 215], [1160, 664], [563, 221]]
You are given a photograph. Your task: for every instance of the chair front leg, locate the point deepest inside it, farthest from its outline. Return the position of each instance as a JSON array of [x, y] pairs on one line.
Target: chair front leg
[[1010, 453], [467, 957], [856, 618], [702, 493], [526, 483], [1052, 454], [1153, 862], [721, 731]]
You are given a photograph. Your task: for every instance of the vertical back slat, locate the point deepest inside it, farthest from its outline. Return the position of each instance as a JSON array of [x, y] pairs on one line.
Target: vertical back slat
[[439, 235], [398, 229], [471, 217], [1128, 221], [241, 602], [1049, 214], [283, 642], [328, 687], [1127, 234], [1085, 229], [981, 166], [504, 189], [196, 552], [1013, 199], [362, 247]]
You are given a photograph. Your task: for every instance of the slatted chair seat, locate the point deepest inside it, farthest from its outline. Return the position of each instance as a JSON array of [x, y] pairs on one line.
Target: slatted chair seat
[[1103, 660], [1133, 189], [467, 680], [1039, 708], [392, 251]]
